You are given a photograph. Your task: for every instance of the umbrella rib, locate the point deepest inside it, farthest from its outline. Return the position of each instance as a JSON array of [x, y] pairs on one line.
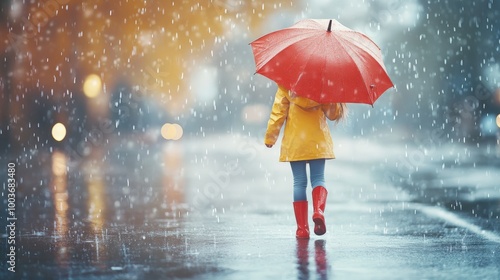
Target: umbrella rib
[[308, 59], [358, 45], [290, 65], [349, 55], [324, 67], [377, 57], [374, 55], [270, 47]]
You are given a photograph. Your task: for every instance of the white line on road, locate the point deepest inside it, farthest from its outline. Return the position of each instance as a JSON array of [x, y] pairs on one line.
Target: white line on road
[[456, 220]]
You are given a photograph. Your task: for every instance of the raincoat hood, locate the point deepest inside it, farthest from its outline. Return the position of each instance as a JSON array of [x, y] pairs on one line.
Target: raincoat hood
[[303, 102]]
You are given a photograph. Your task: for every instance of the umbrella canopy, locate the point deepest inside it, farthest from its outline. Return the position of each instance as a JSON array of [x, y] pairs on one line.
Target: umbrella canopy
[[324, 61]]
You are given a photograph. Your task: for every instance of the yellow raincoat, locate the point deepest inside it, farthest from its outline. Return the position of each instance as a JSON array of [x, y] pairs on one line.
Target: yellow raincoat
[[306, 135]]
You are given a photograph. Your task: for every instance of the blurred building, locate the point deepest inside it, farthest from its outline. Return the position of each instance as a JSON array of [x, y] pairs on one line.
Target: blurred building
[[140, 51], [442, 64]]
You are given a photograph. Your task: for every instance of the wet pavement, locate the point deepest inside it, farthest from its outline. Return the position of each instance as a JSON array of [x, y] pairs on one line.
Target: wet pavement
[[220, 208]]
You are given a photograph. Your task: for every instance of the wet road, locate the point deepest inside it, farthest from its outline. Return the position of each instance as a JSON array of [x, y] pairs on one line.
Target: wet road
[[221, 209]]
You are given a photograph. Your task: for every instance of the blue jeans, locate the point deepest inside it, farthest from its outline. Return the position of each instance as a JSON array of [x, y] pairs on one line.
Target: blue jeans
[[317, 172]]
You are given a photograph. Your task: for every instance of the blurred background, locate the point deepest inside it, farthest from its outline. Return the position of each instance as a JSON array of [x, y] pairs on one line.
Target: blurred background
[[129, 67], [122, 112]]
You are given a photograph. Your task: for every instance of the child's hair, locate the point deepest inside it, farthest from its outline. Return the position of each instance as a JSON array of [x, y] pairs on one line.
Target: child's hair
[[343, 112]]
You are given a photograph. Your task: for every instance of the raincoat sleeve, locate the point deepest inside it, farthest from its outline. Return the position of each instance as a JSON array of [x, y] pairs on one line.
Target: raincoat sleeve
[[278, 116], [333, 111]]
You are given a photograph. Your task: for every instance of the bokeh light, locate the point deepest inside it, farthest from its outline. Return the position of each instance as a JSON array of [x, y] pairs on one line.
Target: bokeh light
[[498, 120], [171, 131], [489, 125], [59, 132], [92, 86]]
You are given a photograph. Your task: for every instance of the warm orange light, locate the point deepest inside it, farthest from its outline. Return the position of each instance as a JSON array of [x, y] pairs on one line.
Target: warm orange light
[[498, 120], [92, 86], [58, 131], [59, 186], [171, 131], [59, 164], [96, 202], [167, 131]]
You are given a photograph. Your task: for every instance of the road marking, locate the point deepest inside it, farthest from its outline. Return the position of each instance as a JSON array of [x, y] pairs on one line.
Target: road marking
[[457, 221]]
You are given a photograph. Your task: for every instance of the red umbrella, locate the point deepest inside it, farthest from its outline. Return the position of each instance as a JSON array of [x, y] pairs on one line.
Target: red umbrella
[[323, 61]]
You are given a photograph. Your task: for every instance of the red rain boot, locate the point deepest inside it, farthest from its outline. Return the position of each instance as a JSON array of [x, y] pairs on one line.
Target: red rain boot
[[319, 194], [300, 209]]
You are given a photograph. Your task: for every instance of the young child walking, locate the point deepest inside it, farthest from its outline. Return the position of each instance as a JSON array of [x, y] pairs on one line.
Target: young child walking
[[306, 140]]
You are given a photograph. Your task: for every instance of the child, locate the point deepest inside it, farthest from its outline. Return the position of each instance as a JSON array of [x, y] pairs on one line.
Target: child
[[306, 139]]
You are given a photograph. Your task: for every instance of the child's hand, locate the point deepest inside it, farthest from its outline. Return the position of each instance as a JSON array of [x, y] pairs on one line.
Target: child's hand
[[269, 146]]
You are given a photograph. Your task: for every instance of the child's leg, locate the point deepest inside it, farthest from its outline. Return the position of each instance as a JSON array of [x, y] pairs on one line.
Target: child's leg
[[317, 170], [299, 180], [300, 205], [319, 194]]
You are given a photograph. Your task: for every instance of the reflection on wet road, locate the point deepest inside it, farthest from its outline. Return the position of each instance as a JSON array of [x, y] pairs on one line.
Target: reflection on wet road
[[222, 210]]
